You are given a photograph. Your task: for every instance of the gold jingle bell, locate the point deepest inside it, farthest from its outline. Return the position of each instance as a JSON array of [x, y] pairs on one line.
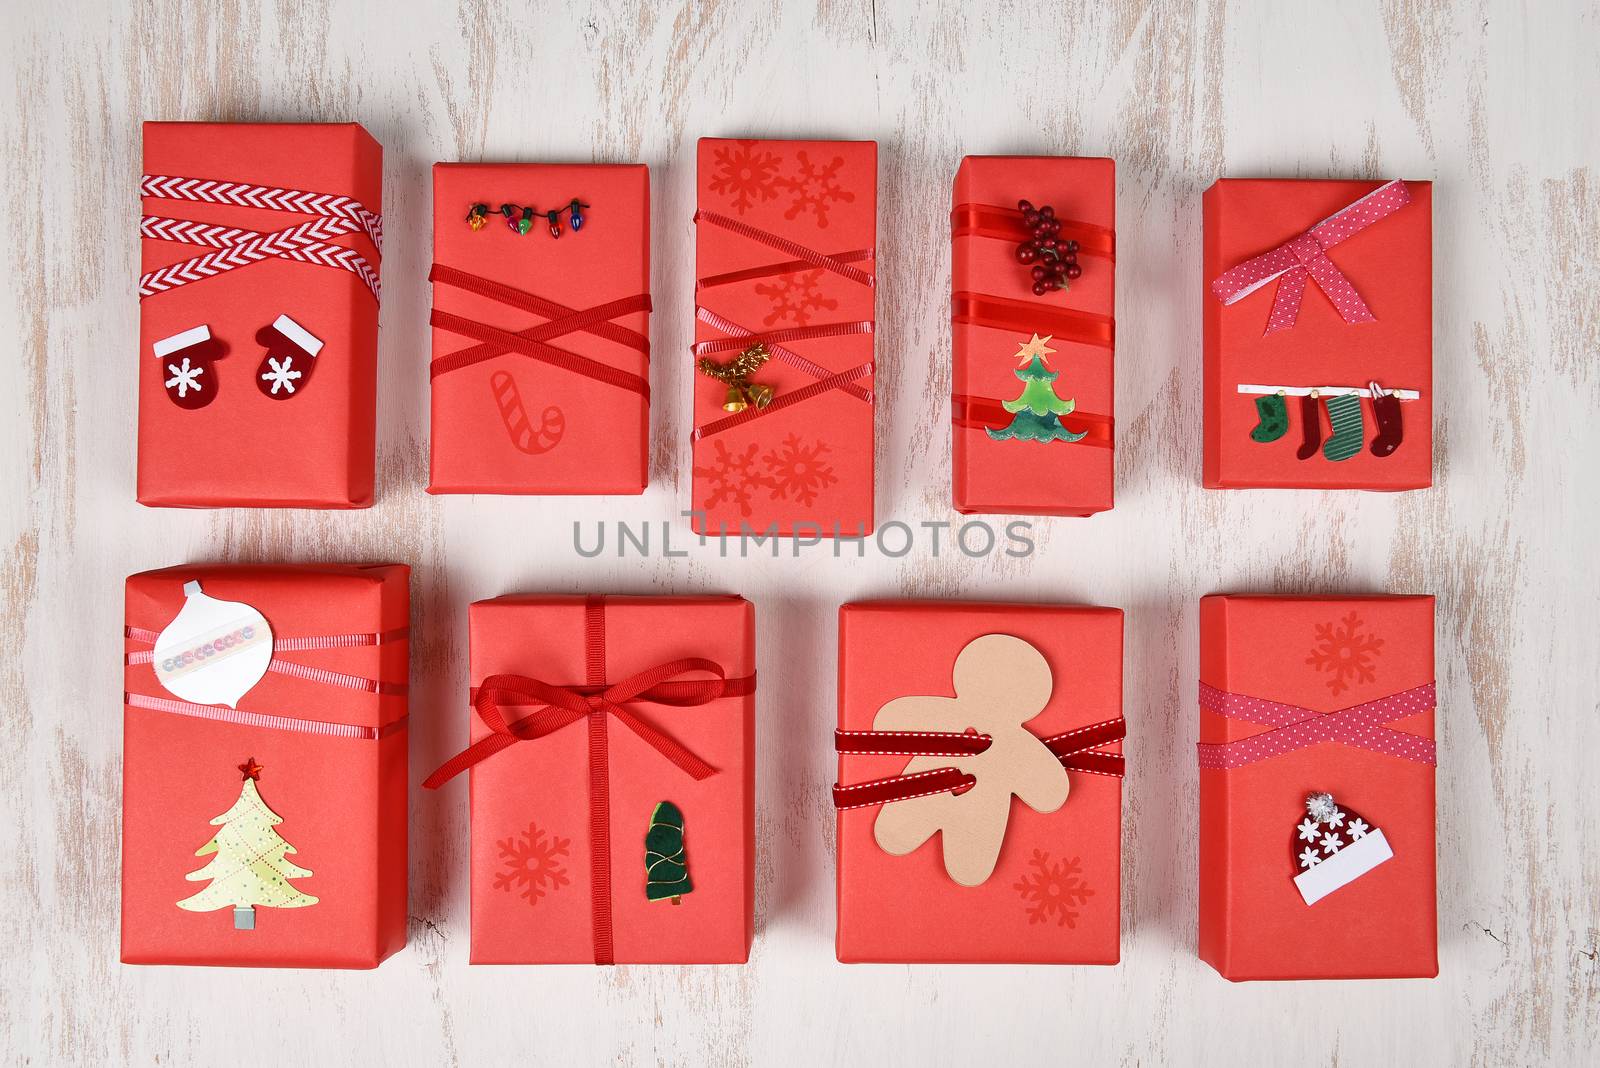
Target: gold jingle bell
[[742, 395]]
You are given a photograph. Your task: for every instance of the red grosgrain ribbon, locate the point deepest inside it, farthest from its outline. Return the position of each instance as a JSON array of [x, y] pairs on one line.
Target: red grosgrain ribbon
[[238, 247], [740, 338], [534, 342], [807, 256], [1005, 224], [1306, 256], [979, 413], [1361, 726], [596, 702], [1077, 750]]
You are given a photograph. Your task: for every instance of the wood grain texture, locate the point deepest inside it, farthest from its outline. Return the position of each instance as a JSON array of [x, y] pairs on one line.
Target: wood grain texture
[[1494, 101]]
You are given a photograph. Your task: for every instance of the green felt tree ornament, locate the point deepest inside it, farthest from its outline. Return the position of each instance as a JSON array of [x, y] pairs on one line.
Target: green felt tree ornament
[[1036, 414], [666, 869]]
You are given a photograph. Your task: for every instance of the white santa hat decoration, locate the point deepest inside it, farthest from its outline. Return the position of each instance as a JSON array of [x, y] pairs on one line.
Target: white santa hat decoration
[[1333, 846]]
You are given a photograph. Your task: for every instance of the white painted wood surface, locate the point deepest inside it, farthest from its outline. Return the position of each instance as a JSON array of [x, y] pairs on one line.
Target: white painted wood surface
[[1494, 101]]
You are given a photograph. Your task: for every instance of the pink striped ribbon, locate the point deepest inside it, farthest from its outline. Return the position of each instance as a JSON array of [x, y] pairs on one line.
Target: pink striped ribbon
[[1361, 726], [1306, 256], [242, 718]]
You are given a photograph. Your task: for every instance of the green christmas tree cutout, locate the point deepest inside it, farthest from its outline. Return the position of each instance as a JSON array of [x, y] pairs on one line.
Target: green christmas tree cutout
[[248, 865], [1036, 414], [666, 869]]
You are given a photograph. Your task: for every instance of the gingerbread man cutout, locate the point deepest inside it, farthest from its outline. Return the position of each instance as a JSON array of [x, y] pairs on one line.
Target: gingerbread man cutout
[[1001, 683]]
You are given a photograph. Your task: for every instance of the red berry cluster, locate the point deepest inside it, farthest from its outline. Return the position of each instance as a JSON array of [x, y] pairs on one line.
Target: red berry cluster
[[1055, 262]]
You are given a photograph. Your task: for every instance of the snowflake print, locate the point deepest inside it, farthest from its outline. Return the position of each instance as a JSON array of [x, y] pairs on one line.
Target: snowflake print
[[1346, 652], [532, 864], [1331, 843], [815, 188], [281, 375], [795, 298], [1358, 829], [1336, 819], [1309, 858], [746, 173], [733, 476], [1308, 830], [1054, 890], [185, 377], [798, 470]]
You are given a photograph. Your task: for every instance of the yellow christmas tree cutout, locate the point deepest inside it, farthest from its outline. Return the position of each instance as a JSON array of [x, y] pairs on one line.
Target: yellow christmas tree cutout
[[249, 867]]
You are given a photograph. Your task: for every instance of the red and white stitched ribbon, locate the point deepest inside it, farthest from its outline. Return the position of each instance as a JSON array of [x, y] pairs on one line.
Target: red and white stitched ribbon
[[187, 231], [1362, 726], [1305, 256], [269, 197]]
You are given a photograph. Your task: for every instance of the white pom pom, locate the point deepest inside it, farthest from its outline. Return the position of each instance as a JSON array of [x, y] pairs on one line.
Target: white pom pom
[[1321, 807]]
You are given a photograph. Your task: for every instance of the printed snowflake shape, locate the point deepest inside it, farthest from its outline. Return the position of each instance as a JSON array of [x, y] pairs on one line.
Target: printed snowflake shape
[[532, 864], [733, 477], [795, 298], [815, 188], [1336, 819], [1358, 829], [1309, 858], [281, 375], [1346, 652], [1053, 890], [185, 377], [797, 472], [1331, 843], [1308, 830], [746, 173]]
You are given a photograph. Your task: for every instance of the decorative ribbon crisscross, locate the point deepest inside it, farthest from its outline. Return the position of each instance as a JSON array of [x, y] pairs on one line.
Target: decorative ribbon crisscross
[[596, 702], [1077, 750], [739, 337], [534, 342], [238, 246], [300, 724], [1306, 256], [1362, 726]]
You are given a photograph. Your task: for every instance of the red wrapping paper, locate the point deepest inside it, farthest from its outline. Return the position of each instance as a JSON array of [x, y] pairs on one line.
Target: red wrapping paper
[[313, 449], [1390, 264], [798, 277], [994, 310], [1254, 923], [523, 422], [342, 800], [533, 797], [907, 909]]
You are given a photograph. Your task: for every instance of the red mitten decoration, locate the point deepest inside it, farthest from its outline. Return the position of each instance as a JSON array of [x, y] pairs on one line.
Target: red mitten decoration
[[291, 357], [189, 375]]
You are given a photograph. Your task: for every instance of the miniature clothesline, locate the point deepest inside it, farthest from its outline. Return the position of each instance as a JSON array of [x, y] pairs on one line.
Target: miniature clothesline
[[1329, 391]]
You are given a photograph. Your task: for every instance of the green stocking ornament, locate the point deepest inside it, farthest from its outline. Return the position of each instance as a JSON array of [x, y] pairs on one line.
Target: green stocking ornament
[[1274, 419], [1344, 415]]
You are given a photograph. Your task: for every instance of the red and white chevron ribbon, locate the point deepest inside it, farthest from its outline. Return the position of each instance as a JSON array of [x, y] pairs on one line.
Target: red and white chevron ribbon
[[238, 246]]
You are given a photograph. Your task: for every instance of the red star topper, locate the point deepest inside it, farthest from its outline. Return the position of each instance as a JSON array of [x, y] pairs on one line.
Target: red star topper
[[251, 769]]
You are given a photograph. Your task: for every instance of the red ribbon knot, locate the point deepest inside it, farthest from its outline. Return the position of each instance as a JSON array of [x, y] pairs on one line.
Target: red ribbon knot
[[1305, 256]]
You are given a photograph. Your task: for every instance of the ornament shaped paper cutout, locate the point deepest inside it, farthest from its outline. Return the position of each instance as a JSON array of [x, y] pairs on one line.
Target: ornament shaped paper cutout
[[665, 865], [1332, 847], [249, 864], [1001, 682], [213, 651]]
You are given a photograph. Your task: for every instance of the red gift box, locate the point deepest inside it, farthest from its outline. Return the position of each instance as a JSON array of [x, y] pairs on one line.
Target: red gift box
[[1315, 290], [561, 870], [1042, 886], [258, 314], [541, 342], [1303, 697], [785, 244], [309, 763], [1036, 461]]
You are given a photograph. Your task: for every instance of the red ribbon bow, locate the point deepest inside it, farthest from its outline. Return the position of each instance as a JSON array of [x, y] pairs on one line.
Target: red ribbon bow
[[1306, 256], [1361, 726]]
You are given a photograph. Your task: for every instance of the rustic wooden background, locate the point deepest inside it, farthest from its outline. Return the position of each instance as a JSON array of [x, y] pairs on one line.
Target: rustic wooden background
[[1494, 101]]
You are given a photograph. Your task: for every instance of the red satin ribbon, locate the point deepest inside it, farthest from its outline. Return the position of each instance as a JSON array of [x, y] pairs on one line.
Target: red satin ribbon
[[979, 413], [1005, 224], [1305, 257], [1077, 750], [1026, 316], [1361, 726], [596, 703], [534, 341]]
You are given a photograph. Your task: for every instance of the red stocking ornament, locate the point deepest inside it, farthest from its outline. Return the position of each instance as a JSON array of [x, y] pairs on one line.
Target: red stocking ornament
[[188, 372], [290, 358]]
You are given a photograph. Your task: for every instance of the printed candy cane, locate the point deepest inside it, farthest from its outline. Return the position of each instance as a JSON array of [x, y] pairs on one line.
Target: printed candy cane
[[515, 416]]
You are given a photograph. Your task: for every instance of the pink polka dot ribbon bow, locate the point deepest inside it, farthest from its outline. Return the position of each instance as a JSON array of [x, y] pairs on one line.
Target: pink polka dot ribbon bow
[[1292, 262], [1361, 726]]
